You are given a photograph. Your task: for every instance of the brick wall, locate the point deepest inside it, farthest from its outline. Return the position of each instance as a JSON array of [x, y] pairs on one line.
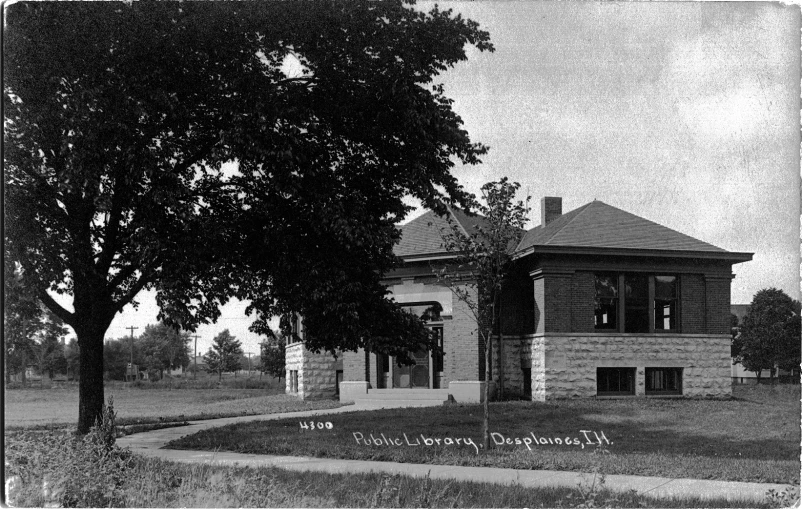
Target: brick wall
[[717, 305], [517, 304], [461, 345], [692, 304], [583, 295], [558, 302], [512, 359], [373, 367], [539, 291], [354, 366]]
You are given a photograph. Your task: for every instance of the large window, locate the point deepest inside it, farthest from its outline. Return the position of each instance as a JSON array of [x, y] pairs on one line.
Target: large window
[[636, 302], [615, 381], [297, 330], [663, 381], [665, 303], [606, 302]]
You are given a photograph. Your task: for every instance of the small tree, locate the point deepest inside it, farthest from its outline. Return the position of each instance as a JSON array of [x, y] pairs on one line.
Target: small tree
[[272, 356], [770, 333], [224, 355], [484, 260]]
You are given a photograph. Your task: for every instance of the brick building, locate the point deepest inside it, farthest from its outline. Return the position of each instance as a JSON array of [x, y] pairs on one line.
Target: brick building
[[602, 303]]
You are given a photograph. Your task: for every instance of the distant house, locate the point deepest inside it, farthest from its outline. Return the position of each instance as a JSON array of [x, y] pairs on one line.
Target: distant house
[[601, 303]]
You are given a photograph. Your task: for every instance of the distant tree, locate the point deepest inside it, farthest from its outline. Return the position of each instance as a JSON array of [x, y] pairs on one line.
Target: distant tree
[[48, 351], [119, 117], [484, 260], [770, 333], [116, 356], [225, 354], [163, 348], [272, 356], [23, 320]]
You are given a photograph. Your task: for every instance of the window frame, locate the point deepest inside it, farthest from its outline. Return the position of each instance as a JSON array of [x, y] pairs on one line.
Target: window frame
[[621, 305], [678, 372], [631, 371]]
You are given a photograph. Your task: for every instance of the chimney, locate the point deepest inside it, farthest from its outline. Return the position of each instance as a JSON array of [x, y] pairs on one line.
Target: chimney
[[550, 209]]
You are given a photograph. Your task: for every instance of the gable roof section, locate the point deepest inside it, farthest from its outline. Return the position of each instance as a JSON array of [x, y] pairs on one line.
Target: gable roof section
[[598, 225], [422, 236]]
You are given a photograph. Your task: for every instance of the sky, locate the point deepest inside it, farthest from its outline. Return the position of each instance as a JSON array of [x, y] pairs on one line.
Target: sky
[[684, 113]]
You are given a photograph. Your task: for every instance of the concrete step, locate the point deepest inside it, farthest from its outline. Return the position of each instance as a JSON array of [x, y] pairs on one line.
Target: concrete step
[[407, 394]]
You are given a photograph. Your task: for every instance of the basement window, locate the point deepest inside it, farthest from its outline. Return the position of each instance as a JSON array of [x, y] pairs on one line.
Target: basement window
[[615, 381], [663, 381]]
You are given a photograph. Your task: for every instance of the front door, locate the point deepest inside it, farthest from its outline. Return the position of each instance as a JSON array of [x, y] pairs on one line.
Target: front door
[[415, 376]]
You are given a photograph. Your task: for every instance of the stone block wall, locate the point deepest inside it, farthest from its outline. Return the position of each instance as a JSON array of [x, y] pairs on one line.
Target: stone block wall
[[293, 361], [564, 365], [316, 372]]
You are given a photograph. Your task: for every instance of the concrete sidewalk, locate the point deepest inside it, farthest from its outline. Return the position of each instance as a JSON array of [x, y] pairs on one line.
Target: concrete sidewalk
[[150, 443]]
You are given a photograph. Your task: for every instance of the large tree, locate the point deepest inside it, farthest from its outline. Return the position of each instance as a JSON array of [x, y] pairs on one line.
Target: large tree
[[484, 261], [120, 119], [770, 333]]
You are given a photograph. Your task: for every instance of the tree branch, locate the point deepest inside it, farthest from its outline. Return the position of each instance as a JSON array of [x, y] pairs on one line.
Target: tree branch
[[55, 307]]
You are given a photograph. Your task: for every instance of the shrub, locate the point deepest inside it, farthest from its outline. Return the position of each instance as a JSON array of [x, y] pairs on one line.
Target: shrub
[[60, 469]]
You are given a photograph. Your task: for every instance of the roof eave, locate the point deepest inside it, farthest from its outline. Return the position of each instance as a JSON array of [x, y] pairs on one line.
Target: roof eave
[[734, 257], [428, 256]]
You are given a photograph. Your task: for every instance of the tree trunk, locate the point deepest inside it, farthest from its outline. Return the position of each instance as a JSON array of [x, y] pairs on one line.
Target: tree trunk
[[486, 418], [90, 384]]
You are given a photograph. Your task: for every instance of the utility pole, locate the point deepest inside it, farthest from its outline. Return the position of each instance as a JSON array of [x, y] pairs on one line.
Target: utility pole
[[130, 370], [249, 363], [195, 358], [132, 329]]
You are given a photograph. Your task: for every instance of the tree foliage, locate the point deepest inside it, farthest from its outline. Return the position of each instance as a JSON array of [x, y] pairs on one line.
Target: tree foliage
[[484, 259], [22, 316], [162, 347], [272, 356], [117, 353], [770, 333], [31, 332], [120, 119], [225, 355]]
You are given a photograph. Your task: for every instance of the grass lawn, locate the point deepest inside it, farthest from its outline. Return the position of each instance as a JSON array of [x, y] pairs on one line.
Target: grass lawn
[[55, 470], [26, 408], [753, 437]]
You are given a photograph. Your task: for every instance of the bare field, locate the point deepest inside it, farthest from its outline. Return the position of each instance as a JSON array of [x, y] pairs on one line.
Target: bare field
[[37, 407]]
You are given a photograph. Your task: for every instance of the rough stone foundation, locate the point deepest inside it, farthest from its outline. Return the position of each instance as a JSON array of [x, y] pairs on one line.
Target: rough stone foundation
[[316, 372], [564, 365]]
